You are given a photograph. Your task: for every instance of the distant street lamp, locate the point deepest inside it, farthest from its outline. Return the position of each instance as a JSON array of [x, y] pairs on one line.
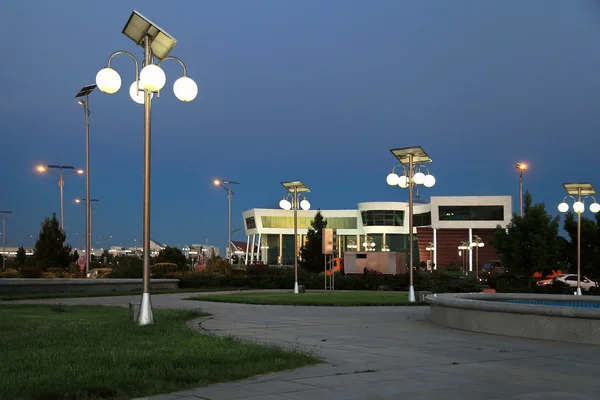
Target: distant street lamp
[[88, 226], [411, 159], [227, 186], [84, 92], [61, 184], [477, 244], [521, 167], [4, 218], [294, 188], [579, 189], [464, 246], [430, 248], [151, 79]]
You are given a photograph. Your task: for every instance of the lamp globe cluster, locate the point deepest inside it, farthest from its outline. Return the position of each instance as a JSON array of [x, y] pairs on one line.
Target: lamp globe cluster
[[579, 207], [419, 178], [287, 205], [152, 78]]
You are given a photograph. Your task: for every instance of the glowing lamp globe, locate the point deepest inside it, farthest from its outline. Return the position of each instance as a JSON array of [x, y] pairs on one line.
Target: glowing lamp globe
[[403, 181], [392, 179], [419, 178], [108, 80], [578, 207], [429, 181], [305, 205], [185, 89], [137, 96], [594, 207], [286, 205], [563, 207], [153, 78]]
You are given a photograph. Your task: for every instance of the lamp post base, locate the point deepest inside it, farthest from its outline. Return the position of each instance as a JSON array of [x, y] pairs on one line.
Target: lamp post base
[[579, 291], [145, 314], [296, 287], [411, 294]]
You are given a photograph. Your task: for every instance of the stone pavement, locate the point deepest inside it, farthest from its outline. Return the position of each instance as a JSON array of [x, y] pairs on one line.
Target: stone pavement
[[385, 353]]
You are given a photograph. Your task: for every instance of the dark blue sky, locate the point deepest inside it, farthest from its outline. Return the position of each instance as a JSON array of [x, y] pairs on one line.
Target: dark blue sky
[[312, 90]]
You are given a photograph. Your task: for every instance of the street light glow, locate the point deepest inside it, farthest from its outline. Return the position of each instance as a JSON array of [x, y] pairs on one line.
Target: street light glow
[[79, 171], [217, 182], [522, 166], [40, 168]]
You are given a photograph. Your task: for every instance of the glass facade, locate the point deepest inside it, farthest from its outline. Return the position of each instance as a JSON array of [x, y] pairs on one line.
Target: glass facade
[[382, 217], [422, 219], [304, 222], [471, 213]]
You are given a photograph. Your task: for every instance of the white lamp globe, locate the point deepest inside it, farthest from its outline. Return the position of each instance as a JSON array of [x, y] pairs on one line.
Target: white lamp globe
[[419, 178], [392, 179], [594, 207], [578, 207], [153, 78], [563, 207], [137, 96], [286, 205], [185, 89], [373, 244], [108, 80], [429, 181], [403, 181], [305, 205]]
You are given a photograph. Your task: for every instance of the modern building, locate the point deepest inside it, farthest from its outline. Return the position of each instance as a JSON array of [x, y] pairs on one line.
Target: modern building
[[440, 228]]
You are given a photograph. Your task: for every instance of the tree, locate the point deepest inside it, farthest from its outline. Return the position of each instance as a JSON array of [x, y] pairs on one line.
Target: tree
[[529, 243], [21, 256], [75, 256], [590, 238], [50, 251], [171, 255], [312, 252]]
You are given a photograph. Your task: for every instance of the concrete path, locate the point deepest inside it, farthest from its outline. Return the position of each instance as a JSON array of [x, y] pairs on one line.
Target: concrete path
[[386, 353]]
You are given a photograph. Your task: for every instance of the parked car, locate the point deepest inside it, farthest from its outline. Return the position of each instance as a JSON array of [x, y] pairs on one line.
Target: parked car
[[491, 271], [571, 280]]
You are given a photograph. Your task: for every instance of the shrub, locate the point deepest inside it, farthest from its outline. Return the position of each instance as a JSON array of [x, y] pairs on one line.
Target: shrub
[[49, 275], [127, 267], [10, 273], [56, 270], [101, 273], [30, 272], [160, 270]]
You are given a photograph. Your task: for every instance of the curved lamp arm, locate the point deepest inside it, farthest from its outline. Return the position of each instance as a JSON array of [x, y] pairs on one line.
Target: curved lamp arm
[[137, 66], [404, 171], [419, 166], [176, 59]]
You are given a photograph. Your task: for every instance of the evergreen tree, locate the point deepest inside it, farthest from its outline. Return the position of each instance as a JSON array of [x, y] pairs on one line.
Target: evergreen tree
[[529, 243], [590, 240], [75, 256], [50, 251], [312, 257], [21, 256], [171, 255]]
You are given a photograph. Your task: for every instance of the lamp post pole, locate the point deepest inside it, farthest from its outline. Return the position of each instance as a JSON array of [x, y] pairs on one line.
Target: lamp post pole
[[85, 92], [61, 184], [4, 218], [230, 193], [156, 43], [414, 157], [521, 167], [294, 188], [88, 225], [579, 190]]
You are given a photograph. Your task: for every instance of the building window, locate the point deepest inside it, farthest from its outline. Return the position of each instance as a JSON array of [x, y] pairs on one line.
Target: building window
[[471, 213], [422, 219], [304, 222], [250, 223], [382, 218]]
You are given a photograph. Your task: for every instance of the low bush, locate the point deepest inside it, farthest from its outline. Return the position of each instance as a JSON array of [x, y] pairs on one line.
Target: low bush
[[56, 270], [160, 270], [49, 275], [10, 273], [30, 272]]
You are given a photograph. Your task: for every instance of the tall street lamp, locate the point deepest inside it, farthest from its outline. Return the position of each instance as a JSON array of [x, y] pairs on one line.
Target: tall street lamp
[[521, 167], [4, 218], [477, 243], [88, 228], [157, 43], [579, 190], [430, 248], [227, 186], [411, 159], [294, 188], [61, 183], [84, 99], [464, 246]]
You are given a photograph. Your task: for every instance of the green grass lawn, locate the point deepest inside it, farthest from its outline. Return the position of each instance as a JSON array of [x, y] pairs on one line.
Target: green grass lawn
[[63, 295], [355, 298], [95, 352]]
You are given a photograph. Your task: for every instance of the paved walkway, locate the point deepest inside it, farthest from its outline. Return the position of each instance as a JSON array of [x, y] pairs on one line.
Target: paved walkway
[[386, 353]]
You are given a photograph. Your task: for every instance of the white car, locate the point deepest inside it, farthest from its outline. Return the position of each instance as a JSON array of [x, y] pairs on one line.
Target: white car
[[571, 280]]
